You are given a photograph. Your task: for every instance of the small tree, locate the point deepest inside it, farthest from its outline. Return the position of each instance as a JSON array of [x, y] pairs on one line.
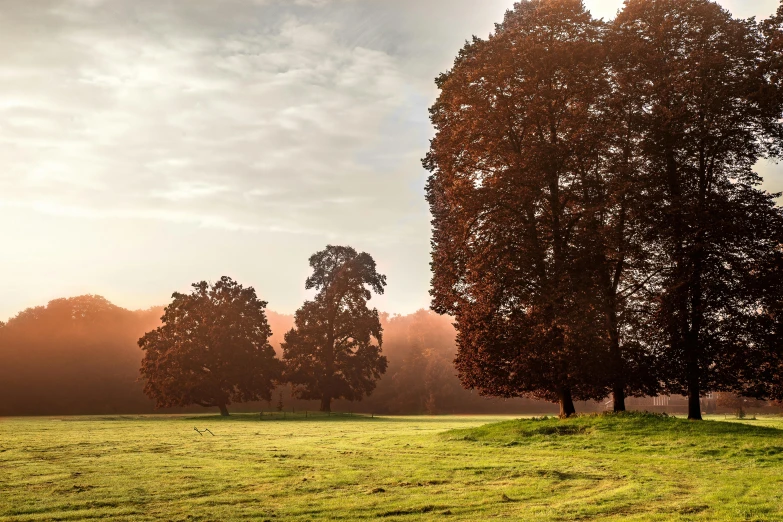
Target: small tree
[[334, 349], [734, 402], [212, 349]]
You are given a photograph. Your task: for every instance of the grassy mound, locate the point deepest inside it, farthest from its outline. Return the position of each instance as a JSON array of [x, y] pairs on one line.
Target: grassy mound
[[635, 432]]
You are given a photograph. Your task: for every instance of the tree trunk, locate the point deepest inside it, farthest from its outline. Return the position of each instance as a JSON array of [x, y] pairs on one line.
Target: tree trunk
[[326, 402], [223, 410], [618, 364], [618, 394], [694, 394], [328, 359], [566, 404], [688, 335], [692, 341]]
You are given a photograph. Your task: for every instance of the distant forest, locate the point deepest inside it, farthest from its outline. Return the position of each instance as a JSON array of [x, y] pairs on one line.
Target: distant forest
[[80, 356]]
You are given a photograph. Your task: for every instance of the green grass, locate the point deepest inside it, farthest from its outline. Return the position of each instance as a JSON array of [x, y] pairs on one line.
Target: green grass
[[630, 467]]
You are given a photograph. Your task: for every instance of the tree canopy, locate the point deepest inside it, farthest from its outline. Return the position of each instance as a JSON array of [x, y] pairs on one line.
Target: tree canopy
[[512, 165], [709, 114], [212, 349], [334, 349], [597, 224]]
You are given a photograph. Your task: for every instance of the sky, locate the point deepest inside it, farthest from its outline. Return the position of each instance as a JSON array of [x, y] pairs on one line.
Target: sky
[[149, 144]]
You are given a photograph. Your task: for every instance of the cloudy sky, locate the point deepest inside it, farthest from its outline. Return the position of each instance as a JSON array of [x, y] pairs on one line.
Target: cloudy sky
[[148, 144]]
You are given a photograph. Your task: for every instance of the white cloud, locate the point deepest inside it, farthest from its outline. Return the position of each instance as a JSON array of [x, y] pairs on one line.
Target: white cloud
[[155, 116]]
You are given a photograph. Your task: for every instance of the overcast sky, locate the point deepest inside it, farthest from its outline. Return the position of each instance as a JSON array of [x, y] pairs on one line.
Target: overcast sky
[[149, 144]]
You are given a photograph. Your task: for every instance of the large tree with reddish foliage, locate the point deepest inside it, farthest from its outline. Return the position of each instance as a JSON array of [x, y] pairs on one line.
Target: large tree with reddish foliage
[[708, 110], [334, 349], [213, 349], [597, 222], [515, 164]]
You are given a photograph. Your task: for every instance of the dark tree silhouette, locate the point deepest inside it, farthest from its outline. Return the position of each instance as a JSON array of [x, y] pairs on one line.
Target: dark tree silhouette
[[334, 349], [212, 349], [515, 166], [597, 222], [618, 232], [709, 111]]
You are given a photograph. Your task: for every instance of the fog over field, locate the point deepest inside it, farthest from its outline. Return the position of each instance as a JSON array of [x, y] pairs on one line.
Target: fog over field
[[80, 356]]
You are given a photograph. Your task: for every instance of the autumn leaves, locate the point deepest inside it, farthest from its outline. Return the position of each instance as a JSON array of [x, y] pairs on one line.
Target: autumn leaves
[[598, 228]]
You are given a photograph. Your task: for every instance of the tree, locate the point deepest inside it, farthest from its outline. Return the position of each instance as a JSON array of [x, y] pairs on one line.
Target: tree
[[708, 111], [420, 377], [618, 237], [733, 402], [334, 349], [515, 168], [596, 220], [212, 349]]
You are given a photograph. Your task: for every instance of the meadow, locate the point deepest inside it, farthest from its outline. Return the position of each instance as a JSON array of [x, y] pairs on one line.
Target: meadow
[[629, 467]]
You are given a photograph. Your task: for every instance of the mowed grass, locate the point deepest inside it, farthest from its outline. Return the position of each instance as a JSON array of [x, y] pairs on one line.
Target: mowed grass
[[630, 467]]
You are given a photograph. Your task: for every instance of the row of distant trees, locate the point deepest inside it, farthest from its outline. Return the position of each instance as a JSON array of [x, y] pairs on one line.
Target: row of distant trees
[[213, 347], [79, 355], [598, 225]]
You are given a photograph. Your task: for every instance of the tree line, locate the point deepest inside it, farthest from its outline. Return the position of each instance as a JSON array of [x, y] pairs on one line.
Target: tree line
[[598, 227], [80, 355]]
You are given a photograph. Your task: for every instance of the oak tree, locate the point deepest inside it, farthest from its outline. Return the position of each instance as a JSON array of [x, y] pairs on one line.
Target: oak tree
[[334, 349], [212, 349]]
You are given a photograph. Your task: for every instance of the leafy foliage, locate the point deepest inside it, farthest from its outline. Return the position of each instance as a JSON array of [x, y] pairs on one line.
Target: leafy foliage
[[334, 349], [513, 163], [597, 223], [708, 117], [212, 349]]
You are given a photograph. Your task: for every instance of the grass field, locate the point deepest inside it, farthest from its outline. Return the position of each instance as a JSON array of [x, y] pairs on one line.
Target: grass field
[[634, 467]]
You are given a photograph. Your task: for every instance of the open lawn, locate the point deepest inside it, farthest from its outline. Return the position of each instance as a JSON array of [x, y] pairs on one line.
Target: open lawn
[[634, 467]]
